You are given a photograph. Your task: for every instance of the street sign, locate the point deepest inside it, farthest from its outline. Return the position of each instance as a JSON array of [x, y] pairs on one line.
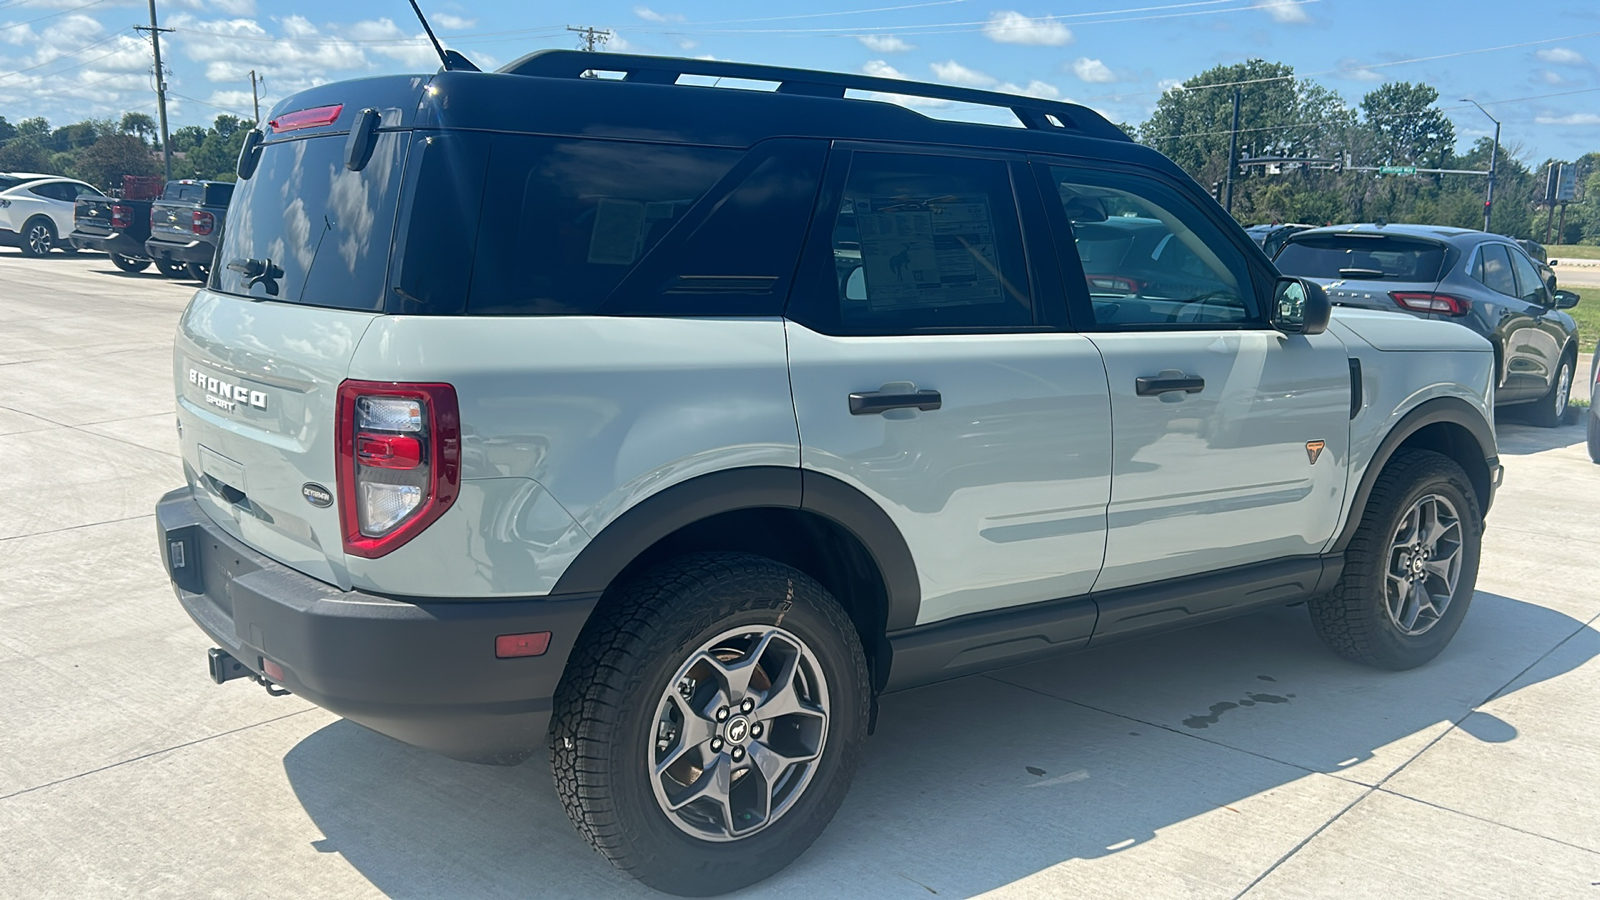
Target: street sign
[[1397, 170], [1567, 183]]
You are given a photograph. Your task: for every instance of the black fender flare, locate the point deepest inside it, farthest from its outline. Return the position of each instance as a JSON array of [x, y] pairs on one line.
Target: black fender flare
[[1452, 410], [610, 552]]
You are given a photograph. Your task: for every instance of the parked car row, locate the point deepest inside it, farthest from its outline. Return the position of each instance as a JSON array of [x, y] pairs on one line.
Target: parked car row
[[176, 226]]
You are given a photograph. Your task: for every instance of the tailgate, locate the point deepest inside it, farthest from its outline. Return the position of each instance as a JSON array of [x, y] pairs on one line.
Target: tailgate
[[171, 218], [257, 385], [92, 215]]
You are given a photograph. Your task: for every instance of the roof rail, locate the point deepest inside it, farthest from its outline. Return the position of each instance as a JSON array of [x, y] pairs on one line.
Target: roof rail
[[1044, 115]]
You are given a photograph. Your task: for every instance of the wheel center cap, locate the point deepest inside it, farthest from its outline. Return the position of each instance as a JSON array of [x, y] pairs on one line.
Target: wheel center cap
[[738, 729]]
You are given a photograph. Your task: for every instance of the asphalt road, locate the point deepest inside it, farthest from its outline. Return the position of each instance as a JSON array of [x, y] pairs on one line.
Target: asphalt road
[[1240, 759]]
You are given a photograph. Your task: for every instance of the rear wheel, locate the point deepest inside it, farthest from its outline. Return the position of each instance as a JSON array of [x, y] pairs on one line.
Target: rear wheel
[[1551, 410], [1410, 570], [1594, 433], [711, 722], [171, 269], [129, 263], [38, 236], [198, 271]]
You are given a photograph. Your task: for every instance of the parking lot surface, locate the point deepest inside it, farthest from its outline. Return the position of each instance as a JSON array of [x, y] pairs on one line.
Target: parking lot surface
[[1239, 759]]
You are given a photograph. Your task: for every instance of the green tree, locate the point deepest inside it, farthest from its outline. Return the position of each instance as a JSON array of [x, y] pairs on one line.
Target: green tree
[[217, 157], [104, 162], [23, 153], [137, 123], [187, 138], [1405, 126], [7, 130]]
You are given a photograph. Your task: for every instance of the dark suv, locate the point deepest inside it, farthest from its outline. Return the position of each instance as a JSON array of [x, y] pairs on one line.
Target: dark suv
[[1484, 281]]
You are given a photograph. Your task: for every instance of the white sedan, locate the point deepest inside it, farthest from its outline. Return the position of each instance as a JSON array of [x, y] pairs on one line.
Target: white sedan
[[36, 211]]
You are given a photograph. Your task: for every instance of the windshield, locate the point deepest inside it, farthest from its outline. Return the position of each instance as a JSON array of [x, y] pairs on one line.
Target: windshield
[[1359, 257], [305, 229]]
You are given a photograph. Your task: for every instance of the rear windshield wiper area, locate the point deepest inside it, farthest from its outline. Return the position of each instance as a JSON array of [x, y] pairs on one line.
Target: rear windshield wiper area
[[258, 271]]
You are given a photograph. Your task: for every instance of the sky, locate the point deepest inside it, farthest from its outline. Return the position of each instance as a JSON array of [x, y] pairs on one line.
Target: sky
[[1539, 73]]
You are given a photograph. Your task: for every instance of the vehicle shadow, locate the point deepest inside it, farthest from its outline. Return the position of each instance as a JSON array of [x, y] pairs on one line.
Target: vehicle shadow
[[973, 784], [1516, 438]]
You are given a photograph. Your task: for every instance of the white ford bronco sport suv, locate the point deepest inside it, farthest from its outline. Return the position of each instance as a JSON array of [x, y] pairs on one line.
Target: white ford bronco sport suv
[[669, 425]]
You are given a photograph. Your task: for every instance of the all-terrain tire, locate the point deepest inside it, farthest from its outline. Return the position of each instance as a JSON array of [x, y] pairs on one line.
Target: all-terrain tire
[[171, 269], [1550, 410], [198, 271], [1354, 619], [129, 264], [606, 722]]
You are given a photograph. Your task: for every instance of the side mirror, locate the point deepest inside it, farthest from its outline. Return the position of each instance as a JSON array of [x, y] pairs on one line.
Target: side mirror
[[1566, 299], [249, 155], [855, 284], [362, 141], [1300, 306], [1084, 209]]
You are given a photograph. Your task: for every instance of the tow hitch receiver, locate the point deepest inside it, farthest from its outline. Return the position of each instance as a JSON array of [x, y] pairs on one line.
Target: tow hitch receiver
[[224, 667]]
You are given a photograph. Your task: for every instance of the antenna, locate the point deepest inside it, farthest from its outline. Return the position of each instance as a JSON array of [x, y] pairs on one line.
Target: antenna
[[450, 59]]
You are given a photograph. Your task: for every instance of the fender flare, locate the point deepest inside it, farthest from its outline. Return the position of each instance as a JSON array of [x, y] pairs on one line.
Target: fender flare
[[617, 545], [1452, 410]]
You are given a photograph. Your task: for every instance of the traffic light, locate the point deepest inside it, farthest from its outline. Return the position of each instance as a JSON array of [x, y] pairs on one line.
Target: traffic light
[[1216, 191]]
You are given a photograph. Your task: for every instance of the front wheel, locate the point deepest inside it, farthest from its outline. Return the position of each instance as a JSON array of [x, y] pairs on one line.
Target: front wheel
[[129, 264], [38, 237], [1551, 410], [711, 722], [1594, 433], [1410, 570]]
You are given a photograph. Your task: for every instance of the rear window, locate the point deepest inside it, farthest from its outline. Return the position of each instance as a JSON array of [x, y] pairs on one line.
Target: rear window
[[218, 193], [1362, 258], [307, 230], [205, 194]]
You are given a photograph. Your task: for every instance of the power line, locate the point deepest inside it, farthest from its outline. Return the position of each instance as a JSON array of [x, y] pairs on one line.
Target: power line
[[51, 16], [591, 37], [87, 47]]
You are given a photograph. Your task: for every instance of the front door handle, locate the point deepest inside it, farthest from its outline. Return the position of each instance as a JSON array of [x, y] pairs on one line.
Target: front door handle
[[1153, 385], [868, 403]]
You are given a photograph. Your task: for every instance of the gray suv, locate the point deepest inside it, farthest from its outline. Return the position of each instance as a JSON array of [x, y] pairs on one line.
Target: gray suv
[[670, 426], [1486, 282]]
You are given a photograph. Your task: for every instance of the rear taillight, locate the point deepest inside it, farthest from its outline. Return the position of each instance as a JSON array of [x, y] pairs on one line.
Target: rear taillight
[[121, 216], [399, 461], [203, 222], [1429, 302]]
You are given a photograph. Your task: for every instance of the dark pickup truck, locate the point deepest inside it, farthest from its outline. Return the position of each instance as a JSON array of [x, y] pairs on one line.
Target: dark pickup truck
[[185, 225], [117, 226]]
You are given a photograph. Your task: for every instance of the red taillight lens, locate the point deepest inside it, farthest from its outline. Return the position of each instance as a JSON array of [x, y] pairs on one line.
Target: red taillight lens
[[121, 216], [315, 117], [399, 461], [1429, 302], [203, 222]]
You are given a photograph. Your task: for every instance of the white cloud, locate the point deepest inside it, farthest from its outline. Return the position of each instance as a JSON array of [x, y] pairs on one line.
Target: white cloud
[[877, 68], [650, 15], [953, 72], [1012, 27], [1570, 119], [1286, 10], [445, 20], [229, 7], [618, 44], [1093, 71], [1352, 68], [1549, 77], [885, 43], [1170, 84], [1561, 56], [1035, 88]]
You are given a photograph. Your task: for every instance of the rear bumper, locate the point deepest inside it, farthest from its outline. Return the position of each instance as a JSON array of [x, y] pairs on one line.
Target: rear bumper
[[185, 252], [420, 671], [120, 244]]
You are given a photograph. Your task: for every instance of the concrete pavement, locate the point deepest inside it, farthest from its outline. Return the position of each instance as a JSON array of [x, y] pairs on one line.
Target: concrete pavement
[[1240, 759]]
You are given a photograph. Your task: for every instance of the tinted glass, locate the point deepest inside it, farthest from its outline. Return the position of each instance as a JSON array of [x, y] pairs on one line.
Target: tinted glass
[[1493, 268], [1530, 286], [1149, 257], [925, 243], [8, 182], [55, 190], [218, 194], [305, 229], [1362, 258], [564, 221], [176, 190]]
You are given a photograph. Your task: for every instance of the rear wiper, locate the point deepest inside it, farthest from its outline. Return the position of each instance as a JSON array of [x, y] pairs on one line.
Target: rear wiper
[[1361, 273], [258, 271]]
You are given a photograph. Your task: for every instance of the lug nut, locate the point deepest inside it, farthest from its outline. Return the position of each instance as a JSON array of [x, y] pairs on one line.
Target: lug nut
[[716, 745], [722, 714], [738, 754], [748, 704], [755, 730]]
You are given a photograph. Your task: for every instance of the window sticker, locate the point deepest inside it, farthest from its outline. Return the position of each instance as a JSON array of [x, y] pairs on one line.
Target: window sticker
[[618, 229], [919, 253]]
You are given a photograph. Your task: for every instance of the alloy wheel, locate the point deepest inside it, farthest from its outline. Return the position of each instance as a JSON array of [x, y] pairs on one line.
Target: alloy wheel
[[739, 733], [39, 239], [1424, 564], [1563, 388]]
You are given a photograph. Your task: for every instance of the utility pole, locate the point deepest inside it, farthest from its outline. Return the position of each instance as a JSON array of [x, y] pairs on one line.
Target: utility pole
[[590, 38], [1233, 148], [161, 87], [1488, 201], [255, 98]]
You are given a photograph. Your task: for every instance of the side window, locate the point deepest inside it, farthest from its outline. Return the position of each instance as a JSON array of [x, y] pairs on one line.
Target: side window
[[924, 243], [1493, 268], [51, 191], [1149, 257], [1530, 287], [564, 221]]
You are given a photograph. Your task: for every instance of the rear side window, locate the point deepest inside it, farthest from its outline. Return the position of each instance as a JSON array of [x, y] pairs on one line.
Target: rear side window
[[564, 221], [1493, 268], [307, 230], [1530, 286], [1359, 257]]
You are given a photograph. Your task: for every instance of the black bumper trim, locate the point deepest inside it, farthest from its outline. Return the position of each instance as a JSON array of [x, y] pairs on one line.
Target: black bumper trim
[[118, 243], [192, 252], [418, 670]]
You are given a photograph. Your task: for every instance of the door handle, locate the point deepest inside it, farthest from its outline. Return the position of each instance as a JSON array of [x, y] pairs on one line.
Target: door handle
[[1154, 385], [867, 403]]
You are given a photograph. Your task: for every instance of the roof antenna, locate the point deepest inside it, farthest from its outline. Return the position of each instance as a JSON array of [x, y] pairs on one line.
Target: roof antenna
[[452, 61]]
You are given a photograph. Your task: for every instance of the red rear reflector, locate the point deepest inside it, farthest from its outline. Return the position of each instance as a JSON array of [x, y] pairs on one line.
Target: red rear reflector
[[1426, 301], [272, 670], [388, 451], [315, 117], [508, 646]]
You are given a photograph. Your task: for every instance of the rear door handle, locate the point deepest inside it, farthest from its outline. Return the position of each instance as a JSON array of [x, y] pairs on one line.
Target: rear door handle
[[1153, 385], [867, 403]]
